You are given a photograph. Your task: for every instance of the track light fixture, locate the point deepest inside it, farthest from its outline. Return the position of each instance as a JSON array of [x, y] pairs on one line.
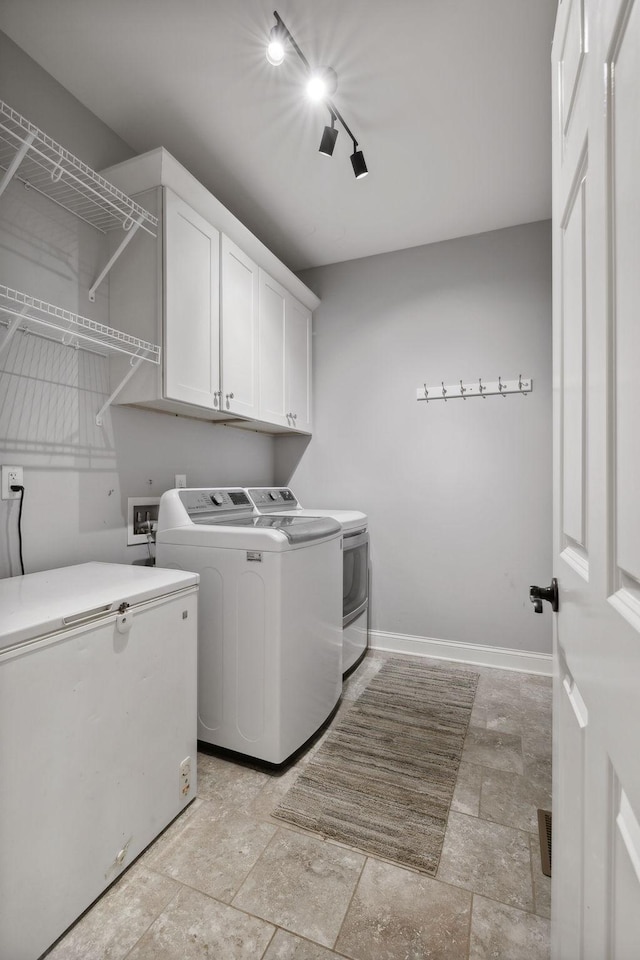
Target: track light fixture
[[321, 85], [357, 162], [329, 137]]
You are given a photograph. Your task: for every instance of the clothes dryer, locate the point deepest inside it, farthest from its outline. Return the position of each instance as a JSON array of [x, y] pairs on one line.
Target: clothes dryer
[[355, 564], [269, 618]]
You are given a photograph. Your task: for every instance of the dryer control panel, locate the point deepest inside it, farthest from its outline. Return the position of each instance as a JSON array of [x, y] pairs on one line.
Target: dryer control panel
[[273, 498]]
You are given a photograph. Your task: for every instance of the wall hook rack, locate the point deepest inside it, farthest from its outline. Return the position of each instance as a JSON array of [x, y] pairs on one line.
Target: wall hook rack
[[500, 387]]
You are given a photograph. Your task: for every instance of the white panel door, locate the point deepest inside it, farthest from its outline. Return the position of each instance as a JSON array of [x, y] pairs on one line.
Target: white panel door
[[298, 365], [239, 331], [191, 305], [596, 160], [273, 298]]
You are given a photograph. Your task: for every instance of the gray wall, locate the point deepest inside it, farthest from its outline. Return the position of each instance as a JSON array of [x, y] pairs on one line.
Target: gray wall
[[458, 493], [78, 476]]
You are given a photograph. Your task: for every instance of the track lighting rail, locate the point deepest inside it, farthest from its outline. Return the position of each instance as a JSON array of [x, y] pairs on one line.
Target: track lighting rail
[[281, 31]]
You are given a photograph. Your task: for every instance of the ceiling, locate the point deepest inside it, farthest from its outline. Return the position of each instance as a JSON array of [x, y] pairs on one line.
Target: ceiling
[[450, 101]]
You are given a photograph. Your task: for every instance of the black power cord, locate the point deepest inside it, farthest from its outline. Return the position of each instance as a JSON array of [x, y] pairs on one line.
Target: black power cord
[[15, 487]]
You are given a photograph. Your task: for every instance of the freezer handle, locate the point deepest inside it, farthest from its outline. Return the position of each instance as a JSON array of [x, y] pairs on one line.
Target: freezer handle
[[86, 615]]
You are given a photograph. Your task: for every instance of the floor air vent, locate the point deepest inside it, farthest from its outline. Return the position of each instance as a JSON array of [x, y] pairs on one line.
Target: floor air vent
[[544, 832]]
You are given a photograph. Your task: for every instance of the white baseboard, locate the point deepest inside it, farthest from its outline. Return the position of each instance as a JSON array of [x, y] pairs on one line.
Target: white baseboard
[[503, 658]]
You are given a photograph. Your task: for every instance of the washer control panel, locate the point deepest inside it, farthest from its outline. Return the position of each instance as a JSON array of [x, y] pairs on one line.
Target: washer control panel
[[216, 501]]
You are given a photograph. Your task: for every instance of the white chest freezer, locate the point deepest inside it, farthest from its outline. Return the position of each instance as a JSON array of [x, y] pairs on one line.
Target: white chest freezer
[[97, 735]]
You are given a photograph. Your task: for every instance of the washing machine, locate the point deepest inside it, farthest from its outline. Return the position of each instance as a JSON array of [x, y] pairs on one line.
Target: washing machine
[[269, 618], [355, 564]]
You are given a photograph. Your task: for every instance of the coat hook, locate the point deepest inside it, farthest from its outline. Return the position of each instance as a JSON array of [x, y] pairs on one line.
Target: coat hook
[[481, 388], [444, 390], [501, 386], [426, 393], [463, 390]]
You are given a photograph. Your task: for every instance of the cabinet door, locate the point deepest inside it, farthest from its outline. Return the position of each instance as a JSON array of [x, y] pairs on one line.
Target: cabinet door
[[192, 305], [239, 331], [297, 335], [273, 298]]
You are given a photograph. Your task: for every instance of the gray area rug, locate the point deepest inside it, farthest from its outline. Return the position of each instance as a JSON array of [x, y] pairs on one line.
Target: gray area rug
[[383, 779]]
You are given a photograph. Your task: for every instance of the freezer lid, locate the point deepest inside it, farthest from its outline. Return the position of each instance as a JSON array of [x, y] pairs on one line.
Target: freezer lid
[[37, 604]]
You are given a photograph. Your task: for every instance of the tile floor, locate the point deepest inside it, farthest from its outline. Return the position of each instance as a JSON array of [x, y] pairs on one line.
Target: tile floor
[[228, 882]]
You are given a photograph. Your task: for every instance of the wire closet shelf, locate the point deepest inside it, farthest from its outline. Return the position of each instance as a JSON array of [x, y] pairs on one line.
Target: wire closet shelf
[[50, 169], [18, 311]]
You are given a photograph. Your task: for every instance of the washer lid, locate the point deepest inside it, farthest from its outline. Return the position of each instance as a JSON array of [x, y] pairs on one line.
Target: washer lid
[[350, 520], [296, 529], [38, 604]]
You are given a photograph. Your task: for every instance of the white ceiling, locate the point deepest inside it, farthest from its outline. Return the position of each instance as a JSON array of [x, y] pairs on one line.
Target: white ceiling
[[450, 101]]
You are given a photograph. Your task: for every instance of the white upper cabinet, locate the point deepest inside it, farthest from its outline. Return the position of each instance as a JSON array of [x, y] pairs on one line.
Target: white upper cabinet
[[239, 335], [234, 323], [273, 299], [297, 368], [285, 357], [191, 306]]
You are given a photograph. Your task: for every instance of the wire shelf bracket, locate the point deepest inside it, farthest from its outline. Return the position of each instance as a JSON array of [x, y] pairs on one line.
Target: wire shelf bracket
[[18, 311], [45, 166], [452, 391]]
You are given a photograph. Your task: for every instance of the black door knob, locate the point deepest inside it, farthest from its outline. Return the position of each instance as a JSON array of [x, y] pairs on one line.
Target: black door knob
[[538, 594]]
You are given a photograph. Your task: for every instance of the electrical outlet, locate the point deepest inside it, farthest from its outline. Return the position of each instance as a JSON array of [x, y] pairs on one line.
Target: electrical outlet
[[181, 480], [142, 518], [10, 477], [185, 777]]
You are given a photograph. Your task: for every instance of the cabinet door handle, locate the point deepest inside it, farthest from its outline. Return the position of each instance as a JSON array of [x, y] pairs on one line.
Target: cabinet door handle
[[217, 397], [229, 396]]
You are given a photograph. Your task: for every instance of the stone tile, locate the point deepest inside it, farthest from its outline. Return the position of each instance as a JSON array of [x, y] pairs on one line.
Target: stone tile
[[231, 785], [173, 830], [498, 686], [303, 884], [488, 858], [511, 799], [265, 802], [214, 853], [111, 928], [466, 796], [398, 914], [536, 690], [361, 677], [489, 748], [499, 931], [504, 713], [541, 884], [478, 716], [285, 946], [345, 706], [194, 927], [536, 752], [504, 718]]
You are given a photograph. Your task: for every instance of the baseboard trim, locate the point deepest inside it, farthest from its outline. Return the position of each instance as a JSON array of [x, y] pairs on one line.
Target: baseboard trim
[[504, 658]]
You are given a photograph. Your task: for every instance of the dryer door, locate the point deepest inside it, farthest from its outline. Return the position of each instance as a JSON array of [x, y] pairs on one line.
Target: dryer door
[[355, 576]]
